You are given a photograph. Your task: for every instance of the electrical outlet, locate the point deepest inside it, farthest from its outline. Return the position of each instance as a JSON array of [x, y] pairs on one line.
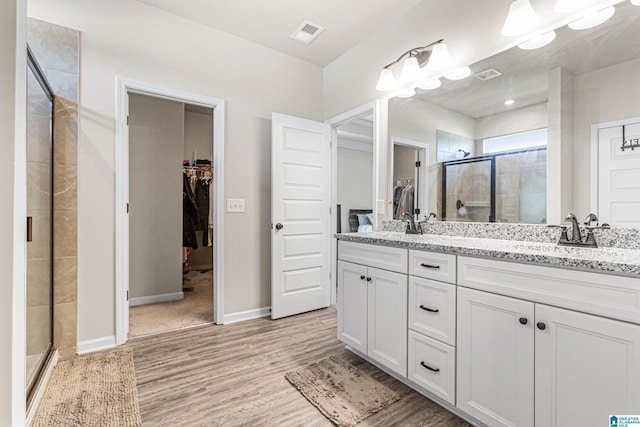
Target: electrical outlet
[[235, 205]]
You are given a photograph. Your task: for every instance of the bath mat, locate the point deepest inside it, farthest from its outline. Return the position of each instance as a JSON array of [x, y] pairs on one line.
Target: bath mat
[[343, 393], [95, 390]]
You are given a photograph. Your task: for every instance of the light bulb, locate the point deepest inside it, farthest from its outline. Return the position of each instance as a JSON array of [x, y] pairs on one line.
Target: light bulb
[[520, 19], [458, 73], [431, 84], [538, 41], [386, 82], [592, 18], [406, 93]]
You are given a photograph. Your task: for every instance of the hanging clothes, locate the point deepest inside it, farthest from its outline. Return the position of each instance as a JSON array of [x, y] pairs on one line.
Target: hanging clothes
[[189, 215], [403, 196]]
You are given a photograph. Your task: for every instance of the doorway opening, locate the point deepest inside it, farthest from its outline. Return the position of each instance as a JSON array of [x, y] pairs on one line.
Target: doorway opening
[[169, 222], [409, 178]]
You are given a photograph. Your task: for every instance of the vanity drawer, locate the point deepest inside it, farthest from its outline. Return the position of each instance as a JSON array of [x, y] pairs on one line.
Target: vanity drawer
[[432, 309], [383, 257], [432, 366], [433, 265]]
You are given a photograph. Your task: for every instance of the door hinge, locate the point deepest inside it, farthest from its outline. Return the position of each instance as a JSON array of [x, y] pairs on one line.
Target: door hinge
[[127, 207], [418, 164], [127, 120], [127, 295]]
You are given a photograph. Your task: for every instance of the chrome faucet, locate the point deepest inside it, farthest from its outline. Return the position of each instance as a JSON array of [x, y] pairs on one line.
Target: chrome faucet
[[590, 218], [411, 226], [576, 236]]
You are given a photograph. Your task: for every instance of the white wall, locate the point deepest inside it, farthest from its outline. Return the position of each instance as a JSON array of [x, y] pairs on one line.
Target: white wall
[[605, 95], [13, 62], [156, 146], [355, 180], [134, 40], [198, 135], [519, 120]]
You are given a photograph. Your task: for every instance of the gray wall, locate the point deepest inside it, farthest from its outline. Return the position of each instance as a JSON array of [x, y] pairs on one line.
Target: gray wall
[[198, 132], [156, 135]]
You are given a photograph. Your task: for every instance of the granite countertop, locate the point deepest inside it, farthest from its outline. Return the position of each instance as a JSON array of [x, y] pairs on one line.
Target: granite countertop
[[605, 260]]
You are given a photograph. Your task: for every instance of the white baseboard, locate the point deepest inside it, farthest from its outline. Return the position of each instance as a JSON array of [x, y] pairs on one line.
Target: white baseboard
[[241, 316], [174, 296], [97, 344], [41, 387]]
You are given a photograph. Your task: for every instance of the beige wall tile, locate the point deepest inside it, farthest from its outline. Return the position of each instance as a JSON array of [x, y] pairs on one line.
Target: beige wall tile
[[65, 188], [38, 327], [38, 282], [66, 280], [65, 234], [65, 131], [65, 325]]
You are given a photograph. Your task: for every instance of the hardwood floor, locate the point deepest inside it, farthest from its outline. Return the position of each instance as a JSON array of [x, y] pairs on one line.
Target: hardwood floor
[[234, 376]]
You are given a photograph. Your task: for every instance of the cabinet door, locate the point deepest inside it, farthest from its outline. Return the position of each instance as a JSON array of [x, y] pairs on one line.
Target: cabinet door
[[387, 319], [495, 358], [587, 368], [352, 305]]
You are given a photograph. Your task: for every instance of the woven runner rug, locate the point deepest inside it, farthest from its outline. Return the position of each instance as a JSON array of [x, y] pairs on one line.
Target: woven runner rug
[[343, 393], [94, 390]]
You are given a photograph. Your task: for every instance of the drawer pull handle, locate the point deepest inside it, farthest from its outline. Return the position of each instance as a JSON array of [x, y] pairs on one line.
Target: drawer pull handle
[[362, 277], [429, 266], [431, 310], [424, 365]]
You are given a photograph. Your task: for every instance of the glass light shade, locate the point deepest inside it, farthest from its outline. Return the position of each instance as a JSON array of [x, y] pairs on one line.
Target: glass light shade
[[593, 18], [538, 41], [563, 6], [386, 82], [458, 73], [440, 58], [431, 84], [410, 70], [406, 93], [520, 19], [635, 2]]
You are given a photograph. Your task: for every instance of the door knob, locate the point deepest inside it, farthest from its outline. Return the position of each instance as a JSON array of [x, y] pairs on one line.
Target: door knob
[[541, 326], [279, 226]]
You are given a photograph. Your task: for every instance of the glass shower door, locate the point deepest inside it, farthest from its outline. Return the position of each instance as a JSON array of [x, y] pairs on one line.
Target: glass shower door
[[39, 296]]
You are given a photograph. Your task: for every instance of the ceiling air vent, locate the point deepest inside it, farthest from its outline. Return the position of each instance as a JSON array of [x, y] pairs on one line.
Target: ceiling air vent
[[307, 32], [488, 74]]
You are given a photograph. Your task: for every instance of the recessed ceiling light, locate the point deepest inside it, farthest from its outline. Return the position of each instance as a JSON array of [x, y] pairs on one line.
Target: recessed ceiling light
[[307, 32], [593, 18], [538, 41], [509, 102]]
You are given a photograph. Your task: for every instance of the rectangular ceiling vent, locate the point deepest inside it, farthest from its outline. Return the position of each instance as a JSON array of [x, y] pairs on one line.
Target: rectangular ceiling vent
[[307, 32], [487, 74]]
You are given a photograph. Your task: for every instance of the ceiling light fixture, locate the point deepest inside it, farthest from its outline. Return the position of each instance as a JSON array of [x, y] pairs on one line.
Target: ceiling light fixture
[[509, 102], [406, 93], [592, 18], [538, 41], [520, 19], [458, 73], [417, 63], [431, 84]]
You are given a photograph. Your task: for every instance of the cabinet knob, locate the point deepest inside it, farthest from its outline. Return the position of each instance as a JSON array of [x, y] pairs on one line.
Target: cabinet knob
[[541, 326], [368, 279], [362, 277], [523, 320]]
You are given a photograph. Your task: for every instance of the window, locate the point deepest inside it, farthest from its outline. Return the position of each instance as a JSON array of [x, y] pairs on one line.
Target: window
[[515, 141]]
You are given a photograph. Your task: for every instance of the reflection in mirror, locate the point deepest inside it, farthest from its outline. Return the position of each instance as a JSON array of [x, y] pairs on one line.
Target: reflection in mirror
[[355, 175], [583, 79], [409, 194]]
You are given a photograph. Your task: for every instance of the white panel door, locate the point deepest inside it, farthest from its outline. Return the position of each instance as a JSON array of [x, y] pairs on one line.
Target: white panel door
[[301, 226], [619, 176], [587, 368], [387, 319], [352, 305], [495, 358]]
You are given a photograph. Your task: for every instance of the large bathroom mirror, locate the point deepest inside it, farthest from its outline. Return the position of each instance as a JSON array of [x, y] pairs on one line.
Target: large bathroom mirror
[[513, 141]]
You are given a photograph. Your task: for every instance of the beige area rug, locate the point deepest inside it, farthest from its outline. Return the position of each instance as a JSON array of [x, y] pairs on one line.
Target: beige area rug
[[343, 393], [95, 390], [196, 308]]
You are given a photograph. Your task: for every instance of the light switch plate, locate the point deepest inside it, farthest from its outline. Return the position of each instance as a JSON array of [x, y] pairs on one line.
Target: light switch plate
[[235, 205]]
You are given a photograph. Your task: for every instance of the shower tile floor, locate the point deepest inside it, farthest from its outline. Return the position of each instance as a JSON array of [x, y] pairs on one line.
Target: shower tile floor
[[196, 308]]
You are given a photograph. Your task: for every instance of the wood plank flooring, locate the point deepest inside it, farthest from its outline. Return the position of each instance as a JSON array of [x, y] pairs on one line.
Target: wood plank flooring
[[234, 376]]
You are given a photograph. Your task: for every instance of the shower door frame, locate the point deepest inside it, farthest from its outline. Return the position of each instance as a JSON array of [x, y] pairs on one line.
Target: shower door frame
[[492, 159], [31, 390]]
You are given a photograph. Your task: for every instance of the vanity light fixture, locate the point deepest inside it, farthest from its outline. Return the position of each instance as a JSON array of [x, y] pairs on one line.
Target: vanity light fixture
[[418, 61], [592, 18], [458, 73], [520, 19], [538, 41], [431, 84], [406, 93], [563, 6], [635, 2], [509, 102]]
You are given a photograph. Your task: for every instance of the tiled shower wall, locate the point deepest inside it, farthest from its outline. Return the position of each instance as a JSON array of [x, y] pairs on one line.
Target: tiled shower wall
[[56, 49]]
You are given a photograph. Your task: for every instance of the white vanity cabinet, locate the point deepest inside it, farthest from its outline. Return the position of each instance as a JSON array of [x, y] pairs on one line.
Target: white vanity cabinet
[[520, 361], [372, 302]]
